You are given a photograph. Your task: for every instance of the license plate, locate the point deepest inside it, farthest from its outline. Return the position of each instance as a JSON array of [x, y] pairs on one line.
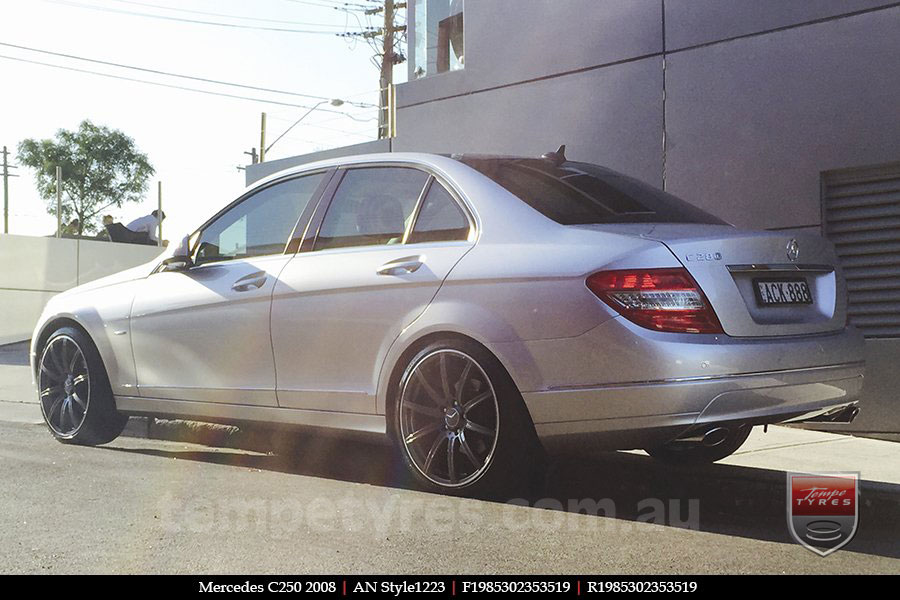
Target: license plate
[[782, 292]]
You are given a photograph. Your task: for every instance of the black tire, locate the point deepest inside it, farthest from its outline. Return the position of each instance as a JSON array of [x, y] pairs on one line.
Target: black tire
[[457, 374], [695, 454], [74, 392]]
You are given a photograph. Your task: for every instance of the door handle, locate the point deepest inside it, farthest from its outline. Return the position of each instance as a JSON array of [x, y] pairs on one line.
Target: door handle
[[401, 266], [250, 282]]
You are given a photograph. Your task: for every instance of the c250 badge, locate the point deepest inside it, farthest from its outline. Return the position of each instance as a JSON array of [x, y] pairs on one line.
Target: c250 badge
[[703, 256]]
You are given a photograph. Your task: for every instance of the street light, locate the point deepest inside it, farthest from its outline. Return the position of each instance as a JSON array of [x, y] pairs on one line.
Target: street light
[[333, 102]]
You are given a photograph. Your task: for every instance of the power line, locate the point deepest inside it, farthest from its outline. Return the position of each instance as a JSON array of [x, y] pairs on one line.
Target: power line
[[170, 74], [160, 84], [227, 16], [196, 90], [337, 5], [183, 20]]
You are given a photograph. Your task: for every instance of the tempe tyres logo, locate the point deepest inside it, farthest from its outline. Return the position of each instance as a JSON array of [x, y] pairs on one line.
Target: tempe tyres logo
[[823, 509]]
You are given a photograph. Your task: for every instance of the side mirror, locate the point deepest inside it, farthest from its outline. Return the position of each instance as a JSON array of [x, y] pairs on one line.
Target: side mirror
[[176, 263], [180, 260]]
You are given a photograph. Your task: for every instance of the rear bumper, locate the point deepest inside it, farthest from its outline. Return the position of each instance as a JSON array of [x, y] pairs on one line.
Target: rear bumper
[[647, 413]]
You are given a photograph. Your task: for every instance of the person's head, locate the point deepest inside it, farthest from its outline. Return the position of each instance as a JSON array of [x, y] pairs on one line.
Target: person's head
[[107, 220], [75, 223], [161, 215]]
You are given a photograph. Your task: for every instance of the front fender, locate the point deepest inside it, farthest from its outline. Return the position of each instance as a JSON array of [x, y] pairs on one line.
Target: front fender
[[104, 314]]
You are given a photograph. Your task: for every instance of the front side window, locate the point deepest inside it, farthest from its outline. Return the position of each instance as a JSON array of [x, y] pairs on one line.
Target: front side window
[[439, 40], [372, 207], [440, 219], [261, 224], [574, 193]]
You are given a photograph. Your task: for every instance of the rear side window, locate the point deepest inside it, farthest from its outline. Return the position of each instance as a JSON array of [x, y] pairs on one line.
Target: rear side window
[[371, 207], [440, 218], [575, 193]]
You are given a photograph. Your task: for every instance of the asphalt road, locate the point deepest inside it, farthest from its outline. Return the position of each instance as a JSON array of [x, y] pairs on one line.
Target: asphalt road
[[141, 505]]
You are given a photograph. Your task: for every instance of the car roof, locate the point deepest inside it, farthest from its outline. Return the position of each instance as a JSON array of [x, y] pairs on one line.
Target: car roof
[[503, 207], [439, 161]]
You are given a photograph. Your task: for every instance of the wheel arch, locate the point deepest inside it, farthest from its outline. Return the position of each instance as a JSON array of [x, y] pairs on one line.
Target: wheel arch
[[390, 384], [54, 324]]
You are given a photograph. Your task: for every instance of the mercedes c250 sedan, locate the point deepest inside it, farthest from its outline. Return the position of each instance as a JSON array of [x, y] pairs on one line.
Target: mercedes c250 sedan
[[474, 309]]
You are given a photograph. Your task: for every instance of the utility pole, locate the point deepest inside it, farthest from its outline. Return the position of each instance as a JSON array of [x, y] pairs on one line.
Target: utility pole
[[58, 201], [387, 70], [262, 139], [159, 214], [6, 176]]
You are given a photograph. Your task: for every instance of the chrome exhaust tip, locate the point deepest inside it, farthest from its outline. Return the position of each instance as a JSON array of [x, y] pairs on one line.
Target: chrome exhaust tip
[[709, 438], [715, 436]]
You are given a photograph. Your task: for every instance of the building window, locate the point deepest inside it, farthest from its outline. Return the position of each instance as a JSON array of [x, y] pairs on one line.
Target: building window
[[439, 39]]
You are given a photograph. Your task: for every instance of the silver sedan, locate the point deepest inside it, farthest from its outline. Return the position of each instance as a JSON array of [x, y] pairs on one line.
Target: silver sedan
[[476, 310]]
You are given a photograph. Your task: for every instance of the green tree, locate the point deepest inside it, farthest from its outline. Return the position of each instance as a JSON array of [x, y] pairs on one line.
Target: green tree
[[101, 168]]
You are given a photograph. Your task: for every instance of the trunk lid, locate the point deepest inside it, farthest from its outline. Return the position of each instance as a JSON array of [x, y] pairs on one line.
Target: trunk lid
[[754, 279]]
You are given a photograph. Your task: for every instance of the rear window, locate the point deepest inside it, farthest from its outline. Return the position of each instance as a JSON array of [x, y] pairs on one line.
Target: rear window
[[575, 193]]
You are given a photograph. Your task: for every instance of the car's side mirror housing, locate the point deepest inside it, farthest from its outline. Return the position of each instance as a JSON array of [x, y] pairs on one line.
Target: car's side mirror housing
[[176, 263], [180, 259]]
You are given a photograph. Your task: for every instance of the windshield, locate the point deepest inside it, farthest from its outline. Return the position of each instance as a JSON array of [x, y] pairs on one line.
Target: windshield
[[575, 193]]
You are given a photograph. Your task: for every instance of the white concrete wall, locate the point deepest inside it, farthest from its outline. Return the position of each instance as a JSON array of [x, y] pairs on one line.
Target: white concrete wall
[[34, 269]]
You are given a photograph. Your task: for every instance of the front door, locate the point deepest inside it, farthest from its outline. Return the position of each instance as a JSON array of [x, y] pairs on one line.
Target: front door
[[203, 334]]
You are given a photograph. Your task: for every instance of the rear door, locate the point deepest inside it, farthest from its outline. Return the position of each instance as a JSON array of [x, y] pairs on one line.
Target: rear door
[[383, 246]]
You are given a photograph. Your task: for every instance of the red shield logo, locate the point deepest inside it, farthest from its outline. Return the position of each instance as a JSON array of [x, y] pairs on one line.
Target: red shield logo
[[823, 509]]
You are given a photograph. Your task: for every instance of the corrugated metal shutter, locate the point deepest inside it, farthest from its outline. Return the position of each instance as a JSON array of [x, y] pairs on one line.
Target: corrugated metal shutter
[[861, 215]]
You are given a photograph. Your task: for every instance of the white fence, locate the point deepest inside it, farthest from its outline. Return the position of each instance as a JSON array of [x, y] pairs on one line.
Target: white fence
[[34, 269]]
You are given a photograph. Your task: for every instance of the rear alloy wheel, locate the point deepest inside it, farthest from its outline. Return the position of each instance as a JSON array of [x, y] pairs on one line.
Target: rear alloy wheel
[[74, 392], [681, 452], [461, 423]]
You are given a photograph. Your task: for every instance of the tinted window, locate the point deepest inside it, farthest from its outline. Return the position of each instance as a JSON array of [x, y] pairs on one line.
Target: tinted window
[[580, 193], [372, 206], [261, 224], [440, 218]]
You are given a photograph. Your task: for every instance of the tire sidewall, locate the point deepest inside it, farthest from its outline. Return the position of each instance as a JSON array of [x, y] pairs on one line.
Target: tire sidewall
[[101, 422], [515, 429]]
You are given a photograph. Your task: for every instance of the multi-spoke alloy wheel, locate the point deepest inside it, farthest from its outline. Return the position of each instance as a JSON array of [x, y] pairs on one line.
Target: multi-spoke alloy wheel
[[65, 386], [74, 391], [449, 418], [460, 424]]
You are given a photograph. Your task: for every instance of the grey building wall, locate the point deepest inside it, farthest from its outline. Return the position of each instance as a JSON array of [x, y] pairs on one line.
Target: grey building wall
[[621, 106], [752, 123], [695, 22]]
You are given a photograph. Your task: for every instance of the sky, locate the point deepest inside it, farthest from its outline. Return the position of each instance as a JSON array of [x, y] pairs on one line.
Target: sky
[[194, 140]]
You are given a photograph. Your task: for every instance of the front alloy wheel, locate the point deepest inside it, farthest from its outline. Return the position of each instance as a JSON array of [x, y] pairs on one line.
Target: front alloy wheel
[[74, 393], [65, 386]]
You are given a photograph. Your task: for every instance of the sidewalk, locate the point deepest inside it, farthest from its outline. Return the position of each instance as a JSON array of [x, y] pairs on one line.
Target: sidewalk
[[781, 449], [18, 401]]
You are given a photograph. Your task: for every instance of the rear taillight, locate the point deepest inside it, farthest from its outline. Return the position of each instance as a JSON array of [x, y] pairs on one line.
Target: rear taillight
[[659, 299]]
